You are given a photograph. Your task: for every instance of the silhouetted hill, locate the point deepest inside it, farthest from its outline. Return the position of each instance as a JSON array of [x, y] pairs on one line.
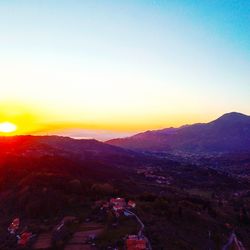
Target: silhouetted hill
[[67, 144], [73, 149], [229, 133]]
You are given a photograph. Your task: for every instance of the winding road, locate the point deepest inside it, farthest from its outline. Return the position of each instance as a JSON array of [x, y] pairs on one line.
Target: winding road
[[140, 233]]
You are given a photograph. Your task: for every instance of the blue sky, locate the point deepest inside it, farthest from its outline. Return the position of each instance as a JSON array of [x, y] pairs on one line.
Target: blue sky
[[125, 65]]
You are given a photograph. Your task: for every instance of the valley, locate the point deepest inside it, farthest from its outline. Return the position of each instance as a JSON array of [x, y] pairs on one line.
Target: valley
[[183, 204]]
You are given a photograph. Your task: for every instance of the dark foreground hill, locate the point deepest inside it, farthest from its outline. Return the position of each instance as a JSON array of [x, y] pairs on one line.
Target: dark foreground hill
[[80, 150], [229, 133], [43, 179]]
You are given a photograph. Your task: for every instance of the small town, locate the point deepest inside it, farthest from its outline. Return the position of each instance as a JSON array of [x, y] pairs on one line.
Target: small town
[[72, 234]]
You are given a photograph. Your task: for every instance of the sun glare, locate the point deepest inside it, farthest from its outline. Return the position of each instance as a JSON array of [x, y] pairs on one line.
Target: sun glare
[[7, 127]]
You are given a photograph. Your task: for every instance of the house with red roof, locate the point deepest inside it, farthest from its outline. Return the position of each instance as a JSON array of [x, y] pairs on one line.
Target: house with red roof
[[118, 202], [14, 226], [133, 242], [24, 239], [131, 204]]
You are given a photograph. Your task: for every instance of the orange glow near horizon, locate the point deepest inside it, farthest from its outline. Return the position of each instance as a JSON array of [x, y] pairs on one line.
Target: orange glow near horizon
[[33, 119], [93, 66]]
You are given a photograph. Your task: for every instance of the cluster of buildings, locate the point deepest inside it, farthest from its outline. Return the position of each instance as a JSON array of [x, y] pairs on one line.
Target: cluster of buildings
[[118, 205], [23, 238], [150, 174]]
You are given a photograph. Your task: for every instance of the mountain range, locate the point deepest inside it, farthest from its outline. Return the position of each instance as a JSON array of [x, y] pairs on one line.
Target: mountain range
[[228, 133]]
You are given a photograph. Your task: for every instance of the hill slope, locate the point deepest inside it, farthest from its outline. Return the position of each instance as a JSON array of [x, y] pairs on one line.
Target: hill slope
[[80, 150], [229, 133], [43, 179]]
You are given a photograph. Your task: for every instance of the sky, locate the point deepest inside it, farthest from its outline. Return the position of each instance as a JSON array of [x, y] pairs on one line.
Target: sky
[[108, 69]]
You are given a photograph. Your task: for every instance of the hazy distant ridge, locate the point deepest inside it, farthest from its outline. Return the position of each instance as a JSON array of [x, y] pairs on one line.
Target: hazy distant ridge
[[228, 133]]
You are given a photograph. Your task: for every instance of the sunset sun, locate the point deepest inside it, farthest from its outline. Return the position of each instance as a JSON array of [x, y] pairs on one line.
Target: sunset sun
[[7, 127]]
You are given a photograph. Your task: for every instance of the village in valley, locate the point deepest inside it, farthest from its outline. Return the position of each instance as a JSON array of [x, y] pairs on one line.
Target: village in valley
[[72, 233]]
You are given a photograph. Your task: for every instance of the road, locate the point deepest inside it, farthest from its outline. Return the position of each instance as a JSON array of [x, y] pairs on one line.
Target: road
[[233, 239], [140, 233]]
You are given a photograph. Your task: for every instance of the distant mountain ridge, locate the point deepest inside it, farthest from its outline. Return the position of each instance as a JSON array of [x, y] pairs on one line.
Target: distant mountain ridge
[[228, 133]]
